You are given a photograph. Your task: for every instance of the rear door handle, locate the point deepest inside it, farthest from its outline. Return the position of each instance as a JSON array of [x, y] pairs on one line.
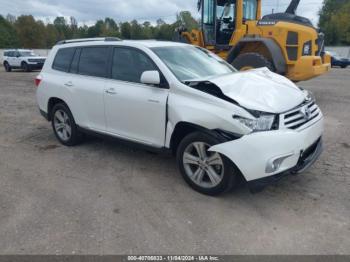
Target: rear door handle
[[111, 91], [69, 84]]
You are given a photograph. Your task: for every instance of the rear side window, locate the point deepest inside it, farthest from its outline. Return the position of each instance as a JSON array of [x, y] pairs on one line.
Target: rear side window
[[93, 61], [63, 59], [129, 64], [6, 53]]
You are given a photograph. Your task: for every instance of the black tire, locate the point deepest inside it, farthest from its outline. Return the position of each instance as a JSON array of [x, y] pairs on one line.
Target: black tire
[[230, 176], [76, 136], [253, 60], [7, 67], [25, 67], [343, 66]]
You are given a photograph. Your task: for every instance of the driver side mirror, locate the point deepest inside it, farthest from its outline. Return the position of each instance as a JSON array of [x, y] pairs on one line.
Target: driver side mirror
[[150, 78]]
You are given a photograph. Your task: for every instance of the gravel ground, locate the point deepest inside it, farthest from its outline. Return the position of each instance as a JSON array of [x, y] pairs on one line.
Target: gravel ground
[[106, 198]]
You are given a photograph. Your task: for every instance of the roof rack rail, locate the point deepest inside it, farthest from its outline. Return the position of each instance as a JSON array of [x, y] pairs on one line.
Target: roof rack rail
[[80, 40]]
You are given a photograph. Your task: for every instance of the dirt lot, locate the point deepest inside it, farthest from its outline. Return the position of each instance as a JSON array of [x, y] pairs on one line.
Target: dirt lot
[[106, 198]]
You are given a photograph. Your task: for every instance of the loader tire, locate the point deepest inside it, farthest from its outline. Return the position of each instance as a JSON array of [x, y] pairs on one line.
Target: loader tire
[[252, 60]]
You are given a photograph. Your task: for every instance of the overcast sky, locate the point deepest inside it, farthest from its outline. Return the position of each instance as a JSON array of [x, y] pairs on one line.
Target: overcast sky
[[88, 11]]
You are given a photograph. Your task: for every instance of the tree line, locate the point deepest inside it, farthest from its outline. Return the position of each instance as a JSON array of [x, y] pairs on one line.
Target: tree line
[[335, 21], [26, 32]]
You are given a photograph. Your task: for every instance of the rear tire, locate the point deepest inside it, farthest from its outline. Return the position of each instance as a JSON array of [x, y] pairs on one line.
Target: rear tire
[[209, 173], [252, 60], [7, 67], [64, 126], [25, 67]]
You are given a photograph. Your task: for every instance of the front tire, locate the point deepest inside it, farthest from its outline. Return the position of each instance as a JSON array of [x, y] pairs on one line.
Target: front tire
[[25, 67], [252, 60], [207, 172], [7, 67], [64, 126]]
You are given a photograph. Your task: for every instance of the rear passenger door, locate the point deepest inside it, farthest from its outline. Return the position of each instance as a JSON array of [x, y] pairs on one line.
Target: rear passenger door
[[134, 110], [89, 80], [83, 77]]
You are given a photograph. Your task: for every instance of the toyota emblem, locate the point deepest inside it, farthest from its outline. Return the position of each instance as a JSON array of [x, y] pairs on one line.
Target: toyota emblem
[[306, 112]]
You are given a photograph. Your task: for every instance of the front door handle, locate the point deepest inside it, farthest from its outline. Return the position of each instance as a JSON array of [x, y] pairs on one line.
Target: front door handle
[[69, 84], [111, 91]]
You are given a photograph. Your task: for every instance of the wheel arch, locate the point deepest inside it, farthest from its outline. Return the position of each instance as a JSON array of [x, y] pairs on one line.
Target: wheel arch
[[51, 103], [182, 129], [271, 46]]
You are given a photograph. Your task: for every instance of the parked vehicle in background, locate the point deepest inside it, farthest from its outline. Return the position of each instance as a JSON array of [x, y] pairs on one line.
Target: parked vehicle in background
[[22, 59], [339, 61], [219, 123]]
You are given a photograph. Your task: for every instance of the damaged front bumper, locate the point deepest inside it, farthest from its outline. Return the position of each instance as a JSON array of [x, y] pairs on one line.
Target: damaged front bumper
[[270, 155]]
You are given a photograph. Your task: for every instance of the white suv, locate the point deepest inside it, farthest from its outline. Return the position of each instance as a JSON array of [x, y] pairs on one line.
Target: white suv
[[22, 59], [221, 124]]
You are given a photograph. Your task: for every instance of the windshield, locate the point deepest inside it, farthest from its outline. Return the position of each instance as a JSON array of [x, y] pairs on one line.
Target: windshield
[[190, 63], [26, 53]]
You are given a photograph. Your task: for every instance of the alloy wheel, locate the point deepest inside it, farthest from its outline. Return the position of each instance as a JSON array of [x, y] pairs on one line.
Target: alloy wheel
[[204, 168], [62, 125]]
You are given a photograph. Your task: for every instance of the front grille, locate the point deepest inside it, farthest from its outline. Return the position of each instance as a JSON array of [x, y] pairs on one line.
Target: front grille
[[37, 60], [300, 116]]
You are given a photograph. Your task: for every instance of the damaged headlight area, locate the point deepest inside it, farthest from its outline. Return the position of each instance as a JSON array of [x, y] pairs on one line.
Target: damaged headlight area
[[261, 123]]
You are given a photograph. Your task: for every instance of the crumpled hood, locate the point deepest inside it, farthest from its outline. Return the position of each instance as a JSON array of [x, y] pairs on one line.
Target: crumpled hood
[[261, 90]]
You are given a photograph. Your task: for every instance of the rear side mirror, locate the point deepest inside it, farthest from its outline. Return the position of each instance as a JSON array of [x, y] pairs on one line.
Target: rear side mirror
[[150, 78]]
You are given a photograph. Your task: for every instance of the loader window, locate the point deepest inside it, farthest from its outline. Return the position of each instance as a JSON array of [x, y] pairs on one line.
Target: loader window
[[208, 12], [250, 9], [225, 21]]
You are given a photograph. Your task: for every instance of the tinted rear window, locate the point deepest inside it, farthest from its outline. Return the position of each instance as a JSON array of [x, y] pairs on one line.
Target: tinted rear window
[[63, 59], [93, 61]]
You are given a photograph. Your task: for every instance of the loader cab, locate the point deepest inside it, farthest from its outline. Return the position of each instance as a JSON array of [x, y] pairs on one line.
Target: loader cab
[[220, 18]]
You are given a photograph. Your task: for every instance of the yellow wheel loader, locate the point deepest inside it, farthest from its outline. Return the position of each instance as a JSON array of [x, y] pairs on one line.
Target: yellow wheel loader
[[284, 42]]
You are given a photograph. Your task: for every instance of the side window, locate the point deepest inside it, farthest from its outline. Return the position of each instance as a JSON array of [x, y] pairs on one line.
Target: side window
[[63, 59], [75, 63], [93, 61], [129, 64]]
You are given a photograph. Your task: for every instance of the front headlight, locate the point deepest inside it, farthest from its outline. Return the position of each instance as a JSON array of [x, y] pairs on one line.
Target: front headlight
[[262, 123], [309, 96]]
